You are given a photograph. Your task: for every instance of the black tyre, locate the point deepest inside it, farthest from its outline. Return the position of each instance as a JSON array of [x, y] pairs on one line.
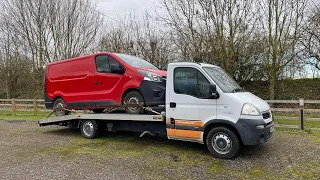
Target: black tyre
[[58, 106], [98, 110], [89, 129], [223, 143], [133, 98]]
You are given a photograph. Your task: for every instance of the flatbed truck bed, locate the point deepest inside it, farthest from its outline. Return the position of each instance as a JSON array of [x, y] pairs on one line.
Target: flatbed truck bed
[[102, 117], [91, 124]]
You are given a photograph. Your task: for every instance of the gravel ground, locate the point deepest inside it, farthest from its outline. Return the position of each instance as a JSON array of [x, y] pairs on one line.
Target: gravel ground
[[31, 152]]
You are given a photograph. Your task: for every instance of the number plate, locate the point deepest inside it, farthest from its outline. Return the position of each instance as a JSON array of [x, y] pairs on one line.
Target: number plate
[[271, 129]]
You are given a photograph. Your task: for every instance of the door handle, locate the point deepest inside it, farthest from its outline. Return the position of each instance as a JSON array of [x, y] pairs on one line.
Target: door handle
[[97, 82], [172, 121], [173, 105]]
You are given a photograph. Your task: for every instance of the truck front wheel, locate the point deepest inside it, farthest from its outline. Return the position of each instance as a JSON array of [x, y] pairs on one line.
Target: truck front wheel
[[223, 143], [89, 129]]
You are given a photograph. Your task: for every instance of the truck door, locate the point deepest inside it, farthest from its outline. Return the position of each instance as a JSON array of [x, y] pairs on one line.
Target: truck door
[[189, 104]]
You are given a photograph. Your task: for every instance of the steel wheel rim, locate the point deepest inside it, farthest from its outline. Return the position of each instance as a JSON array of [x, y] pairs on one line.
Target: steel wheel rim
[[133, 101], [59, 109], [88, 128], [221, 143]]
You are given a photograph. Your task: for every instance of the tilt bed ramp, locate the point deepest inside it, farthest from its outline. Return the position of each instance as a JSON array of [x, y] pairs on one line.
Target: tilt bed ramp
[[89, 124], [222, 141]]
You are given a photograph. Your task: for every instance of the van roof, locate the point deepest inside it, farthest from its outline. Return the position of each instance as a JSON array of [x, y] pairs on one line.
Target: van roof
[[79, 57]]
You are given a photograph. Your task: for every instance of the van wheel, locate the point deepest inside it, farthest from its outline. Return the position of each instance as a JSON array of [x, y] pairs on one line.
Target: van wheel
[[89, 129], [223, 143], [57, 105], [98, 110], [133, 98]]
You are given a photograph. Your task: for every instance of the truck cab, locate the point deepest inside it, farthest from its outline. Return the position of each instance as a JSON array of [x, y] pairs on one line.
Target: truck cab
[[204, 104]]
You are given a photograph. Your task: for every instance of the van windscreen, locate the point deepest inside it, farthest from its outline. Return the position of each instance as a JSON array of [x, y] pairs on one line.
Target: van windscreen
[[136, 61]]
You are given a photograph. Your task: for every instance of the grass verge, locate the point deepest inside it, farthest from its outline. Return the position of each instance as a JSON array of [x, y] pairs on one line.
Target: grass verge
[[307, 124], [166, 159], [26, 115]]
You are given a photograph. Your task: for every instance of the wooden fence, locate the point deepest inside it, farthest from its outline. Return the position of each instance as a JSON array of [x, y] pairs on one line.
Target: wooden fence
[[38, 104], [25, 104]]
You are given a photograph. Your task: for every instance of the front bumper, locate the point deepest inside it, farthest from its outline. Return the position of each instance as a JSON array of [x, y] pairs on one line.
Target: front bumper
[[255, 132], [153, 92]]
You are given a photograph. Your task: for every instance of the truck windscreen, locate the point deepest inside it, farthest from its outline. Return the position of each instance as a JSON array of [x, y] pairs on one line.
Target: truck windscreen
[[223, 80]]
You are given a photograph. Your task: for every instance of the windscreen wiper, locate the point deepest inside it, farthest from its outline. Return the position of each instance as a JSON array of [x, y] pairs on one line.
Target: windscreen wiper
[[238, 90]]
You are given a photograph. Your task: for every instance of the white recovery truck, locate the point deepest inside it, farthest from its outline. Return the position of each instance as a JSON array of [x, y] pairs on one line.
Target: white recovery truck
[[203, 104]]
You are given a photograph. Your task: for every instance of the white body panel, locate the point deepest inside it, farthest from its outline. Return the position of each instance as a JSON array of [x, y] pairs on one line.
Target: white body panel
[[227, 107], [188, 107]]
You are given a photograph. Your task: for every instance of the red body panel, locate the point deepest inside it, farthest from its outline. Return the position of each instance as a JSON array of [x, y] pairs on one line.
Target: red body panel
[[74, 80]]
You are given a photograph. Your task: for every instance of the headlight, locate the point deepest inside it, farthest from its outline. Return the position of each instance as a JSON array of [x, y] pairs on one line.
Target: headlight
[[249, 109], [149, 76]]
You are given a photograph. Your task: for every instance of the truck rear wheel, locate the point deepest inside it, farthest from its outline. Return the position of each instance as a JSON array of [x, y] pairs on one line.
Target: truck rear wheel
[[223, 143], [89, 129], [133, 98], [58, 107]]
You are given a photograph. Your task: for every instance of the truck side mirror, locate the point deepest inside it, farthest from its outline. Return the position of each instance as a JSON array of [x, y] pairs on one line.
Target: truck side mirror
[[116, 68], [213, 94]]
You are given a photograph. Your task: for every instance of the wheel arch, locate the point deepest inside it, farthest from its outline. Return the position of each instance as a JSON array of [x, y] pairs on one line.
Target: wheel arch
[[57, 97], [130, 90], [220, 123]]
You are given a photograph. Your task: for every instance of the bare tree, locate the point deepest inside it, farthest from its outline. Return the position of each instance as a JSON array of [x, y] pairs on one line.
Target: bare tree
[[218, 32], [53, 30], [143, 38], [283, 27], [43, 31], [311, 42]]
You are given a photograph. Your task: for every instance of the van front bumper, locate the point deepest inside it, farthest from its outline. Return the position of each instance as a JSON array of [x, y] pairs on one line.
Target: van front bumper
[[153, 92], [255, 131]]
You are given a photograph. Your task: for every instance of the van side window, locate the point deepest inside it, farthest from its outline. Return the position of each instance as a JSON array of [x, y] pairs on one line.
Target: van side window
[[102, 63], [113, 62], [191, 82]]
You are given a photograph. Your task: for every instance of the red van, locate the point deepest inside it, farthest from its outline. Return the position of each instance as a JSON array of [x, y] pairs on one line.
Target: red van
[[102, 80]]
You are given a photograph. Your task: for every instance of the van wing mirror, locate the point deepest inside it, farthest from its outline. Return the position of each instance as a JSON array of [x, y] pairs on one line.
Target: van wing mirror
[[213, 94], [116, 68]]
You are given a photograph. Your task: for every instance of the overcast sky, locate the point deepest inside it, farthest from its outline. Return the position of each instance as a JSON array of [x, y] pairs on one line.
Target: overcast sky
[[117, 8]]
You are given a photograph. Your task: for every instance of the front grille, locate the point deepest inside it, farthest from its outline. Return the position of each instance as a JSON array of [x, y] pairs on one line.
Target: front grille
[[266, 115], [266, 137]]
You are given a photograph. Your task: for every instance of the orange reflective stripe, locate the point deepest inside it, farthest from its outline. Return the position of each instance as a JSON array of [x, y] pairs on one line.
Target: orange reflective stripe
[[189, 123], [171, 132], [187, 134]]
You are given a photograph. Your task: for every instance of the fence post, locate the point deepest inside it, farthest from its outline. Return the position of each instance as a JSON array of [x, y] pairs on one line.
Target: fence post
[[301, 104], [34, 106], [13, 103]]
